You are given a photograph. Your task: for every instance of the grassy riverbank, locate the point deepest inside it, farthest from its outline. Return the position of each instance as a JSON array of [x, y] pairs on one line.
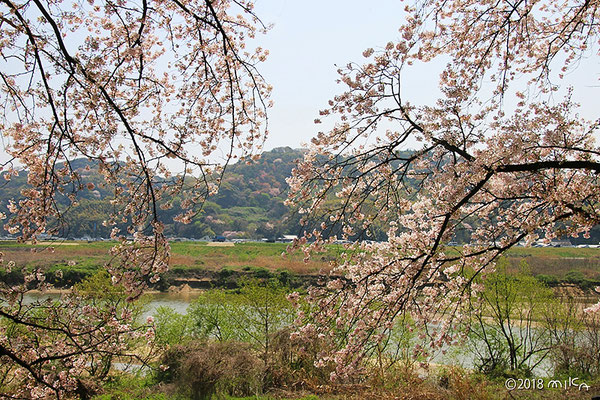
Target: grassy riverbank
[[279, 368], [442, 384], [204, 261]]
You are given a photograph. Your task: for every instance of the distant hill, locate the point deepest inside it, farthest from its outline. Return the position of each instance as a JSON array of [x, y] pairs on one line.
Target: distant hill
[[250, 202]]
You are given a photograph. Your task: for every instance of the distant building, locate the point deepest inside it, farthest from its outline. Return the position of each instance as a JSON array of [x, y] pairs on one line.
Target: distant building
[[287, 238], [561, 243]]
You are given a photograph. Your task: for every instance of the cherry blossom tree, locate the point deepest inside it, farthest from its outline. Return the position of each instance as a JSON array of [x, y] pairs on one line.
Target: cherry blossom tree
[[501, 156], [160, 95]]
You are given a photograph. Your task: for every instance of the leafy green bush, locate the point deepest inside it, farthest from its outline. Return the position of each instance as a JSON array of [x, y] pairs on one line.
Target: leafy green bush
[[252, 315], [212, 316], [575, 339], [504, 340], [575, 277], [226, 277], [261, 273], [262, 308], [98, 290], [549, 280], [287, 278], [171, 327]]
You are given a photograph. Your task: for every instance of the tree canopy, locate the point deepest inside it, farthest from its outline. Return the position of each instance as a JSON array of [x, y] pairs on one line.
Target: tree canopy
[[501, 155], [152, 88], [161, 95], [143, 89]]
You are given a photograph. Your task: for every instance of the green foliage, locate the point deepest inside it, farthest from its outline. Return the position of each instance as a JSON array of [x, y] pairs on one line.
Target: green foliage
[[251, 315], [192, 259], [100, 287], [124, 386], [257, 315], [575, 338], [171, 327], [505, 340], [575, 277], [548, 280], [309, 397], [262, 309], [212, 316], [259, 272], [397, 350], [98, 290], [286, 278], [250, 201], [226, 277], [128, 395]]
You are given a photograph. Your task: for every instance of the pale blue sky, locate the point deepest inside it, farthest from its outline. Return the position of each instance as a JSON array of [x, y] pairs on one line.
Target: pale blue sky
[[308, 40], [310, 37]]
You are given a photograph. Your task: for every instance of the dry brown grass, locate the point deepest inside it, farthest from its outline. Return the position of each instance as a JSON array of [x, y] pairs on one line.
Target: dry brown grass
[[456, 384], [95, 255], [45, 256], [557, 261], [200, 256], [220, 244], [285, 263], [57, 243], [179, 259]]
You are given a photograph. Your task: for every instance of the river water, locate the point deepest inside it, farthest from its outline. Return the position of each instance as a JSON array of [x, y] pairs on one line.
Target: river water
[[456, 355], [178, 301]]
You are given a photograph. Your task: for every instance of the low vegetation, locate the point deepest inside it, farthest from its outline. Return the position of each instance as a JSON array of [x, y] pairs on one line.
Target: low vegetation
[[77, 260], [234, 344], [236, 340]]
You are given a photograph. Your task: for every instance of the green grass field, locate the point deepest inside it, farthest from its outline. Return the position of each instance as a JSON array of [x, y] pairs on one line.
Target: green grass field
[[77, 260], [82, 258]]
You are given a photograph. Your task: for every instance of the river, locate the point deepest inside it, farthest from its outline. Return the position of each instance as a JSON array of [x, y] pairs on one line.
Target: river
[[456, 355], [178, 301]]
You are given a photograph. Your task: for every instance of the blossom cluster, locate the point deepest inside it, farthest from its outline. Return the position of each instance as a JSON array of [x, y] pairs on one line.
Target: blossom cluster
[[158, 96], [497, 164]]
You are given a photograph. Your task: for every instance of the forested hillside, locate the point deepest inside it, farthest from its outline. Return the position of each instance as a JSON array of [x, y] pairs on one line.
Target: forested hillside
[[250, 202]]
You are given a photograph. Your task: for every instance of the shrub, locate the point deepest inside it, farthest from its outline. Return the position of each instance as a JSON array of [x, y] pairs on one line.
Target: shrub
[[504, 339], [227, 277], [549, 280], [575, 338], [287, 278], [575, 277], [261, 309], [252, 315], [261, 273], [459, 384], [171, 327], [200, 370], [291, 362], [98, 291], [211, 316]]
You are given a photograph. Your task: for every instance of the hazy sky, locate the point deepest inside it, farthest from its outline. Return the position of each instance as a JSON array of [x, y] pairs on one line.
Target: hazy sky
[[308, 40], [310, 37]]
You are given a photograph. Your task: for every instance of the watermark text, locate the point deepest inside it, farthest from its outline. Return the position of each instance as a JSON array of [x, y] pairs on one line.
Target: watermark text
[[540, 384]]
